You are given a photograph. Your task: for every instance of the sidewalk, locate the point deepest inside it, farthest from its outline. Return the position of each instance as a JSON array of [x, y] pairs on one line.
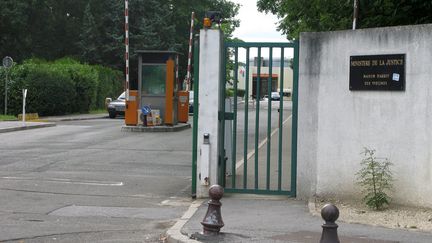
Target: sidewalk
[[279, 219], [252, 218], [10, 126]]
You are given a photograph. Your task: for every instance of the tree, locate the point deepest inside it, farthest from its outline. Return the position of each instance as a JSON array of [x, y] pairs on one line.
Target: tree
[[109, 18], [318, 15], [375, 178], [13, 20], [182, 10], [89, 38], [93, 30]]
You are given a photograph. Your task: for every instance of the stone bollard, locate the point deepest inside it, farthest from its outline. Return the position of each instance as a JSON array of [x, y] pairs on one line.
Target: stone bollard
[[212, 221], [330, 213]]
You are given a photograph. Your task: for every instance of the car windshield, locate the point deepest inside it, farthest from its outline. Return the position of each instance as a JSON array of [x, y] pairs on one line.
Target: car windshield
[[122, 96]]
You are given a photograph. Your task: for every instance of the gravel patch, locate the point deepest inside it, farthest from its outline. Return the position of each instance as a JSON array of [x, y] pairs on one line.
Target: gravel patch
[[395, 216]]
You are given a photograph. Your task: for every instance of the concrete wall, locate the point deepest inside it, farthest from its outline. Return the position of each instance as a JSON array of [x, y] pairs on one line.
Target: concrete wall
[[210, 58], [336, 123]]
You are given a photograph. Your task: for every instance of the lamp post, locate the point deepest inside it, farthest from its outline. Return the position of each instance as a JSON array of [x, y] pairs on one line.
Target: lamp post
[[7, 63], [355, 15]]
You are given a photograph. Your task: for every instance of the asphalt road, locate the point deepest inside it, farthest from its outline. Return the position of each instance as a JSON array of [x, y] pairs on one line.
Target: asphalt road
[[262, 127], [262, 124], [88, 181]]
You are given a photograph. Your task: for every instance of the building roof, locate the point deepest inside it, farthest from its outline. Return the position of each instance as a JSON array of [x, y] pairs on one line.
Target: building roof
[[157, 52], [264, 75]]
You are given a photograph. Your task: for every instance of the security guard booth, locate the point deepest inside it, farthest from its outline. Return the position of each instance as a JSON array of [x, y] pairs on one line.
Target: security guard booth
[[158, 83]]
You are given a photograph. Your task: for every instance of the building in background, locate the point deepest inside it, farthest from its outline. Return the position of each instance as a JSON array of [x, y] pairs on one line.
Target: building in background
[[265, 76]]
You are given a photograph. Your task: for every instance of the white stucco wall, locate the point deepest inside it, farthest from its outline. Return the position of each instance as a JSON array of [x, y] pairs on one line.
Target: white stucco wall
[[209, 81], [334, 123]]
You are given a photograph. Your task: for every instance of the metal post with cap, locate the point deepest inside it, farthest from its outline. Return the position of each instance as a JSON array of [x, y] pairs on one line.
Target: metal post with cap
[[330, 213], [7, 63]]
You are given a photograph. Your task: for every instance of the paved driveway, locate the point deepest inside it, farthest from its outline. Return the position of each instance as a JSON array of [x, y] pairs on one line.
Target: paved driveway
[[87, 181]]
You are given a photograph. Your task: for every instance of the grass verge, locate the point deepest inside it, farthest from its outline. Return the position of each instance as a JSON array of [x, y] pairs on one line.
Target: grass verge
[[100, 111], [7, 118]]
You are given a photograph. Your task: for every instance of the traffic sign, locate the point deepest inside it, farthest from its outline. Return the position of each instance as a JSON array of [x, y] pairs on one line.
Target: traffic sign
[[7, 62]]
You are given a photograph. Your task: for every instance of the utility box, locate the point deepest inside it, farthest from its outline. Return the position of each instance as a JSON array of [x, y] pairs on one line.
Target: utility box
[[183, 106], [158, 83], [131, 114]]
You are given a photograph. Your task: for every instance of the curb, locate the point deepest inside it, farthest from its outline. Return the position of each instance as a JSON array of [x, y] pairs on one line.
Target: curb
[[74, 118], [20, 128], [175, 128], [312, 207], [174, 234]]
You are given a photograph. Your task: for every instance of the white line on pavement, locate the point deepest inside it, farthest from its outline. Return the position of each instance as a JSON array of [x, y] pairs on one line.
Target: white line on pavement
[[66, 181], [251, 153]]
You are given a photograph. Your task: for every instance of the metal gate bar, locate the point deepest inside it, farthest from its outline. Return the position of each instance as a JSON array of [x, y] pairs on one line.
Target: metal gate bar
[[257, 99], [234, 145], [195, 116], [280, 122], [269, 86], [245, 151], [294, 120]]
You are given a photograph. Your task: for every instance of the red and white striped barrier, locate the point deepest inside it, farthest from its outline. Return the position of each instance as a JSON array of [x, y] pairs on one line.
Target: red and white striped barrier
[[127, 48], [188, 74]]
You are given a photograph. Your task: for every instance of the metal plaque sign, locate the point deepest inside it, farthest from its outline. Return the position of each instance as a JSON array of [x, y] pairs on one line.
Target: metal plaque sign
[[7, 62], [377, 72]]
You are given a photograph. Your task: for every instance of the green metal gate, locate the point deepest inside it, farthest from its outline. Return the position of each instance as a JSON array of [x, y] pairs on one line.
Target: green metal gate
[[258, 138]]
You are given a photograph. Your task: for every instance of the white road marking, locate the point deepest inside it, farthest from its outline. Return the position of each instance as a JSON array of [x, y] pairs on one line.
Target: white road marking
[[252, 153], [66, 181]]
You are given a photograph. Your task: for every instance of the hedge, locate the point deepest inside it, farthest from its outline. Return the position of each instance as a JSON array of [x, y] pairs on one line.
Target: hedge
[[61, 87], [229, 92]]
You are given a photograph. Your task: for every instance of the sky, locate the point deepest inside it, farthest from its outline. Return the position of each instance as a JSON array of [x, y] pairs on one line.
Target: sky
[[256, 26]]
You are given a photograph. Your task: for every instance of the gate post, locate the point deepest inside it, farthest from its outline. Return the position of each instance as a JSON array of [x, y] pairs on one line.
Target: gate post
[[210, 67]]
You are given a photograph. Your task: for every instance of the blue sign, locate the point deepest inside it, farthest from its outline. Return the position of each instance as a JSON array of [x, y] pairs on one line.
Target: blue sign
[[146, 110]]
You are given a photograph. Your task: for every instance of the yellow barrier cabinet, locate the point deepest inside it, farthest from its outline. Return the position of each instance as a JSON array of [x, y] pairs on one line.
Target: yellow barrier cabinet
[[131, 114], [183, 106]]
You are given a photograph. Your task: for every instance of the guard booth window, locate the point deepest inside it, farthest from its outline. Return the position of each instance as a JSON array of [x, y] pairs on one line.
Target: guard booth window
[[153, 79]]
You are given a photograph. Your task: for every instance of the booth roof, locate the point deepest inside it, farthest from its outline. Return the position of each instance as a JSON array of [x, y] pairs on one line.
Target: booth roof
[[157, 52]]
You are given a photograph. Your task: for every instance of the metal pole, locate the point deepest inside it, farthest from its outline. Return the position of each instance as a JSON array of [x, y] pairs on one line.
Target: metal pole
[[188, 75], [5, 99], [24, 105], [127, 48], [355, 15]]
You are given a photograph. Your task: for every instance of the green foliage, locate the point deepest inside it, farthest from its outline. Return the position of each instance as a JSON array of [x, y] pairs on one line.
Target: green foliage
[[61, 87], [110, 84], [316, 15], [7, 118], [93, 30], [89, 42], [229, 92], [376, 179], [241, 92]]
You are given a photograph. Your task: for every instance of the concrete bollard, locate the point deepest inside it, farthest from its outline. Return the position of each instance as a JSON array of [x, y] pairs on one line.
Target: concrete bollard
[[330, 213], [212, 221]]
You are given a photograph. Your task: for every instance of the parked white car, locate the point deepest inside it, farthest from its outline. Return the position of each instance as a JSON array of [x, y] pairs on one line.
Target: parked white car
[[117, 107]]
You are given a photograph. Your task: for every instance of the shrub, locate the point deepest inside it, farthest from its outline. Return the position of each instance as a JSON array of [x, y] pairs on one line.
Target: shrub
[[110, 84], [229, 92], [376, 179], [241, 92], [60, 87]]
